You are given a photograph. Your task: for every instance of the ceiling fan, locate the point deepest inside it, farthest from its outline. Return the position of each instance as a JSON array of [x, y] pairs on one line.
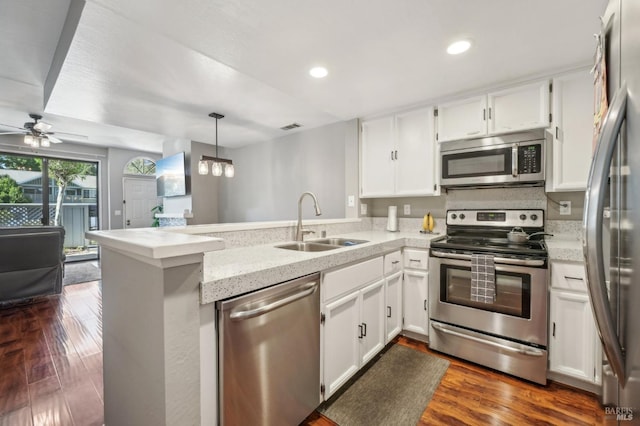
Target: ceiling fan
[[36, 132]]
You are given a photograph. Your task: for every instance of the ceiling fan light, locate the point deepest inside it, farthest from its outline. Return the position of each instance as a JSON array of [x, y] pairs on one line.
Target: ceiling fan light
[[41, 126], [229, 170], [44, 142], [28, 139], [203, 167], [216, 169]]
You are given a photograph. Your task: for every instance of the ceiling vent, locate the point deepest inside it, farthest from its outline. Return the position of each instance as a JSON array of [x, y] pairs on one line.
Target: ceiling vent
[[291, 126]]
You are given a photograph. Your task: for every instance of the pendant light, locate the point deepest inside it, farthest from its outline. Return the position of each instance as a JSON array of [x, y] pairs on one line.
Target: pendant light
[[216, 162]]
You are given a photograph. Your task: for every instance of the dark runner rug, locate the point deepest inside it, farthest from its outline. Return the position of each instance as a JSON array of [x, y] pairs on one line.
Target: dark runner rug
[[393, 391], [81, 272]]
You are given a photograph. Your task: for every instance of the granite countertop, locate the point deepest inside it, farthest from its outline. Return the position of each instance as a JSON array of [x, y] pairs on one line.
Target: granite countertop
[[155, 243], [564, 247], [231, 272]]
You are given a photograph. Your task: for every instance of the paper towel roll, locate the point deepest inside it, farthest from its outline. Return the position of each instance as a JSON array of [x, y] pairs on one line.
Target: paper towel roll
[[392, 219]]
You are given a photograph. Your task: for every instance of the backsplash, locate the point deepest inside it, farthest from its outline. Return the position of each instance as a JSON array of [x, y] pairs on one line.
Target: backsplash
[[409, 224], [252, 237], [567, 229], [497, 198]]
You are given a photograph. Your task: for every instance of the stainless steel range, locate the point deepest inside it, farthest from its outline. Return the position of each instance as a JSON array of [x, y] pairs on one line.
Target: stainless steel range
[[488, 296]]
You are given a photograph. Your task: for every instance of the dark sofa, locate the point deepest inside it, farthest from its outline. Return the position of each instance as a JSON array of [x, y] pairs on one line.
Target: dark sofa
[[31, 262]]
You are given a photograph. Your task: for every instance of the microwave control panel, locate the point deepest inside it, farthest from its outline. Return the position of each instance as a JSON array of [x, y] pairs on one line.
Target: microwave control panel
[[529, 159]]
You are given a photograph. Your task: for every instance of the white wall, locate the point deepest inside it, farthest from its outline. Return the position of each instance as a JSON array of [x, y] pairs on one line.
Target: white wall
[[271, 176]]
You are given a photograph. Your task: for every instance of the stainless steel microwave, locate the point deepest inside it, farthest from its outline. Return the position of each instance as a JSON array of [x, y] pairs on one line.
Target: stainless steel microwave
[[514, 159]]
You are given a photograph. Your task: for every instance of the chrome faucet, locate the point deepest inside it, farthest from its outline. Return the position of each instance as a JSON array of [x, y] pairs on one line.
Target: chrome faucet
[[300, 232]]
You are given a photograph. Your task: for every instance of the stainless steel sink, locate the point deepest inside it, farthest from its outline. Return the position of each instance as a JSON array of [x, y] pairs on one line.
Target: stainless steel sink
[[307, 246], [344, 242]]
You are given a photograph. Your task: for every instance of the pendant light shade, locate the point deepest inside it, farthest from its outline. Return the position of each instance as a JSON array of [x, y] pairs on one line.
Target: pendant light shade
[[229, 170], [216, 169], [203, 167], [217, 163]]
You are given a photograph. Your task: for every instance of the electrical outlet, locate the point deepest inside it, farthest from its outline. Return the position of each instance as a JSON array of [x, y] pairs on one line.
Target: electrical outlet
[[351, 201], [407, 209], [363, 209], [565, 208]]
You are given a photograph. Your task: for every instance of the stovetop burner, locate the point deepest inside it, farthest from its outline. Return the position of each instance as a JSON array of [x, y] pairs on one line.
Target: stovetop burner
[[485, 231], [494, 245]]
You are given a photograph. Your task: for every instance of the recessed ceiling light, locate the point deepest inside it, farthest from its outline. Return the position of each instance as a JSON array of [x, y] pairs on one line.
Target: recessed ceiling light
[[458, 47], [318, 72]]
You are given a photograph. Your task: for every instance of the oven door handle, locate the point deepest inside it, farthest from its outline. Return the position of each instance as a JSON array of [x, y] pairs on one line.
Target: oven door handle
[[514, 161], [503, 260], [521, 350]]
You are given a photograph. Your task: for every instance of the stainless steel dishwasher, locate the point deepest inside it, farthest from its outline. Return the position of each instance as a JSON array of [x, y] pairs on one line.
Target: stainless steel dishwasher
[[269, 354]]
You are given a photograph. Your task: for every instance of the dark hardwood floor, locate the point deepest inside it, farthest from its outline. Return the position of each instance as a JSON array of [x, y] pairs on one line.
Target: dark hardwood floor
[[51, 360], [51, 374]]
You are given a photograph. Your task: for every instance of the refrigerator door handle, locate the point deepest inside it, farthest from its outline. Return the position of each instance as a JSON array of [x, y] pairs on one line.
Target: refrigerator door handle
[[592, 231]]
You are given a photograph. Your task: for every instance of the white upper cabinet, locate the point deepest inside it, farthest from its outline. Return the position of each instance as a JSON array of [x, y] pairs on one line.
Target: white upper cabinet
[[377, 157], [416, 158], [398, 155], [462, 119], [572, 129], [518, 108]]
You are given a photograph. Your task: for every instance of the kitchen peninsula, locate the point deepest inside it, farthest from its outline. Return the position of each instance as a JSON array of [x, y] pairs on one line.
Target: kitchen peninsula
[[158, 288]]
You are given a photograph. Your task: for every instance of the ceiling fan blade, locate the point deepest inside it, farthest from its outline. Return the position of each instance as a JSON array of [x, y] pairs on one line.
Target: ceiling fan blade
[[71, 136], [11, 133], [12, 127], [53, 139]]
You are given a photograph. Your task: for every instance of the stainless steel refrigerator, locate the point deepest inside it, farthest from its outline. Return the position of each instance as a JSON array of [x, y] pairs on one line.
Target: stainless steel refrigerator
[[612, 244]]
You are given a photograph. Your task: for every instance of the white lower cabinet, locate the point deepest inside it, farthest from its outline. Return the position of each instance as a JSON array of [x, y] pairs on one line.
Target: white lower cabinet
[[393, 310], [416, 317], [415, 291], [354, 332], [341, 344], [574, 347], [372, 320]]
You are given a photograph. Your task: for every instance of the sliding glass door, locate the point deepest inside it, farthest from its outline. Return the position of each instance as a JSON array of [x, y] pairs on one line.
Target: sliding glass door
[[38, 190]]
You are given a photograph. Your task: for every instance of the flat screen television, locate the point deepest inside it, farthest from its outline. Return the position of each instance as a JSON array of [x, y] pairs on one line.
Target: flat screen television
[[171, 179]]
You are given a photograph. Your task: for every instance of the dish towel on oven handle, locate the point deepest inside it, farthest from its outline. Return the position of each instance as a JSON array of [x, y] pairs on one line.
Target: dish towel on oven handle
[[483, 278]]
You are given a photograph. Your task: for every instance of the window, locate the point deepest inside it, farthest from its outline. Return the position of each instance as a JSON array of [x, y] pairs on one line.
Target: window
[[140, 166]]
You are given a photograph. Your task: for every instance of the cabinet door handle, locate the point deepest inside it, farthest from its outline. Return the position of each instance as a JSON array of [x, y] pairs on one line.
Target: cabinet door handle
[[484, 114], [396, 153], [573, 278], [554, 330], [391, 155], [388, 311], [425, 304], [415, 260], [556, 132], [364, 328], [359, 331], [395, 262]]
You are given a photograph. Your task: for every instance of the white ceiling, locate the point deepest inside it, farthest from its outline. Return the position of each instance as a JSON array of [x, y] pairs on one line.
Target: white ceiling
[[139, 71]]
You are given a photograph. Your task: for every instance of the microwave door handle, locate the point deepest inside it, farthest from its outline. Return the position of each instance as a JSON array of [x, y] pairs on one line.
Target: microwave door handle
[[592, 231], [514, 161]]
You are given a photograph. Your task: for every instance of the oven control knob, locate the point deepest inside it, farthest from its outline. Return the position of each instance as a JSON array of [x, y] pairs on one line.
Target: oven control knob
[[462, 216], [534, 217], [453, 216], [523, 216]]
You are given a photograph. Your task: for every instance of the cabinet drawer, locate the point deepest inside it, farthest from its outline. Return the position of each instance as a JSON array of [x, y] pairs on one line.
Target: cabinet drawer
[[568, 276], [347, 279], [416, 259], [392, 262]]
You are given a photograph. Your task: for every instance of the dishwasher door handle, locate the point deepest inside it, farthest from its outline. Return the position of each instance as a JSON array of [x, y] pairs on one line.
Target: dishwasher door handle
[[301, 292]]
